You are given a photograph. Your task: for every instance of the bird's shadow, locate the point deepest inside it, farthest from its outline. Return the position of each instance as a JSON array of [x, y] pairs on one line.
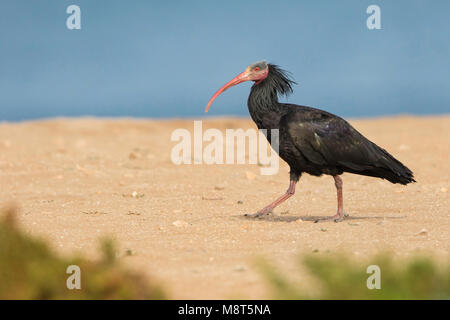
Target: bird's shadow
[[286, 218]]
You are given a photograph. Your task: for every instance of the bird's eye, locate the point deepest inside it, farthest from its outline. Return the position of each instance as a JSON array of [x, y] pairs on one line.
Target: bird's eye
[[256, 69]]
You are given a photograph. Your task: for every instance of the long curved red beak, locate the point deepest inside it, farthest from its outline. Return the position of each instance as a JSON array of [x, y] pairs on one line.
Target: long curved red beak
[[236, 80]]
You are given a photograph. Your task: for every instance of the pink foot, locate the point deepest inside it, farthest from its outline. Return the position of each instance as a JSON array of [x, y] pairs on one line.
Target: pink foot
[[336, 218], [261, 214]]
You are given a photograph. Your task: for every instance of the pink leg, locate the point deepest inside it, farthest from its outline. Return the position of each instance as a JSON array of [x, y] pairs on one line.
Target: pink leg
[[268, 209], [339, 216], [340, 211]]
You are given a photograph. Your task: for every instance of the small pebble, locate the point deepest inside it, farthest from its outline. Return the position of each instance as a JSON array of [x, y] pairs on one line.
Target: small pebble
[[219, 186], [132, 156], [130, 213], [422, 232], [180, 223], [239, 269]]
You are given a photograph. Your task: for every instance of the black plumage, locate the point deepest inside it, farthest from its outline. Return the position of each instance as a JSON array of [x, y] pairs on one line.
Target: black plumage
[[314, 141]]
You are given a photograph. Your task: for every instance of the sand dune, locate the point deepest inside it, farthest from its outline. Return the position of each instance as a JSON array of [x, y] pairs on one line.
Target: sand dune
[[77, 180]]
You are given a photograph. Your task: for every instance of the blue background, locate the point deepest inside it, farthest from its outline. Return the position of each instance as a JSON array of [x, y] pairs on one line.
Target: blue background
[[166, 59]]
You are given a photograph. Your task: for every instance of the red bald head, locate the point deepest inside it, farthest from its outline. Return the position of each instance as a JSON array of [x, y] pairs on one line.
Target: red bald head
[[255, 72]]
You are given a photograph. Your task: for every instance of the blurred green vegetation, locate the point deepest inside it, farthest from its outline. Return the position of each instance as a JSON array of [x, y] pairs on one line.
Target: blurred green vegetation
[[338, 277], [30, 270]]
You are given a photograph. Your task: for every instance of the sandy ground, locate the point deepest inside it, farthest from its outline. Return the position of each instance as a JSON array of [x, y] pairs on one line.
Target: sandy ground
[[77, 180]]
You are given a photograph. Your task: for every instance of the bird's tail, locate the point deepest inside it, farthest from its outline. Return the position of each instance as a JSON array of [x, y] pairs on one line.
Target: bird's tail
[[389, 168]]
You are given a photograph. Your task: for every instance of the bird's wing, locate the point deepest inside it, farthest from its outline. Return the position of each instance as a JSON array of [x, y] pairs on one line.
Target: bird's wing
[[327, 140]]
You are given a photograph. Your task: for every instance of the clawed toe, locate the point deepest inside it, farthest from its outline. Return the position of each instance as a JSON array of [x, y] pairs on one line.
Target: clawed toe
[[260, 215], [335, 218]]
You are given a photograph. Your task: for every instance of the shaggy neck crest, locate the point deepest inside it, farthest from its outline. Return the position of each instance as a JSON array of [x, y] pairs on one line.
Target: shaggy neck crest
[[279, 80], [264, 95]]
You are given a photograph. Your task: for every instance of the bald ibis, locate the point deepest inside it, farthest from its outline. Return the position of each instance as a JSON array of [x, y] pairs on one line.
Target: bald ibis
[[312, 140]]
